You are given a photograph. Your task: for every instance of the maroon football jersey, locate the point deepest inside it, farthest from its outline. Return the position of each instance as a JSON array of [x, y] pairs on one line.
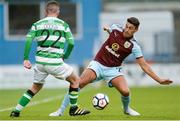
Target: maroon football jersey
[[115, 49]]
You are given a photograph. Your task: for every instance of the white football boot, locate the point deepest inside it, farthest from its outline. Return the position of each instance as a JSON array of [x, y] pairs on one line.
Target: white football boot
[[56, 113], [131, 112]]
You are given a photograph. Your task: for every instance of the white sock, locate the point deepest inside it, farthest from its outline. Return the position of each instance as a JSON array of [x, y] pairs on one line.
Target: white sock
[[64, 104]]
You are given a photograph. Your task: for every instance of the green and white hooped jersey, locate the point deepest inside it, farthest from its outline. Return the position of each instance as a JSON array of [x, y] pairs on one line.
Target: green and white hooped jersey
[[51, 34]]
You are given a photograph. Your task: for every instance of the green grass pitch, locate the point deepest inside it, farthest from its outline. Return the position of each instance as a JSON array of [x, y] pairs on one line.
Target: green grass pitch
[[154, 103]]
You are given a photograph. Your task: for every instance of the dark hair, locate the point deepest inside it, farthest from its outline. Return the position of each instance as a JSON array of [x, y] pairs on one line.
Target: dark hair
[[134, 21], [51, 3]]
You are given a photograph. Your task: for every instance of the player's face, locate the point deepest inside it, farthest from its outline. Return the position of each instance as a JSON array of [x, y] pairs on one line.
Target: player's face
[[129, 30]]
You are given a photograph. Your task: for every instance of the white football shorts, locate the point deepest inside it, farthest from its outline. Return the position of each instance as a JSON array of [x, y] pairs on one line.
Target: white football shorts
[[42, 71]]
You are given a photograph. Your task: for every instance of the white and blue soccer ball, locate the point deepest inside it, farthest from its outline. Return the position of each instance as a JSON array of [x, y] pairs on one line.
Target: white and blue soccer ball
[[100, 101]]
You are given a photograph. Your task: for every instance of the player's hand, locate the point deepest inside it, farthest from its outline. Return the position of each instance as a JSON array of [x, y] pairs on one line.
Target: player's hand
[[105, 28], [27, 64], [166, 81]]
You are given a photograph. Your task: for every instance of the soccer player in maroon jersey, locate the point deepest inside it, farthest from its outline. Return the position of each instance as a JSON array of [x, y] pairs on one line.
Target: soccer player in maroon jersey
[[107, 64]]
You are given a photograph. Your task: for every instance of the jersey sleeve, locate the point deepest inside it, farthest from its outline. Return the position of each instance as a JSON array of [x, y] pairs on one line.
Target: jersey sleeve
[[116, 27], [29, 37], [136, 50], [70, 40]]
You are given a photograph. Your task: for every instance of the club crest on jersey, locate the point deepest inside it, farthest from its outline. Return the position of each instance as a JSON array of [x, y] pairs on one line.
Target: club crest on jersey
[[115, 46], [127, 44]]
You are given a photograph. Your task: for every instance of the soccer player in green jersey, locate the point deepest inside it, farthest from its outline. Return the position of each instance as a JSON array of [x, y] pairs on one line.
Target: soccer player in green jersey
[[51, 35]]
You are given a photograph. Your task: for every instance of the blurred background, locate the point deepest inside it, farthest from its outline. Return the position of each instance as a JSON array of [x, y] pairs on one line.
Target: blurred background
[[158, 36]]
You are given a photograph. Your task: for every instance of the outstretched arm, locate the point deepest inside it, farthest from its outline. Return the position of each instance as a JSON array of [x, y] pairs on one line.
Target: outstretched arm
[[147, 69]]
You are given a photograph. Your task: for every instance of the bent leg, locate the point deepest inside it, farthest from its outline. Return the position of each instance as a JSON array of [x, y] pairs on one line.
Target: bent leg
[[73, 96], [121, 85], [86, 77], [73, 88]]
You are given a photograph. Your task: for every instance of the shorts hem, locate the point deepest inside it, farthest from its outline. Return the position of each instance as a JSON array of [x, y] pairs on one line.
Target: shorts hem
[[110, 84], [37, 82]]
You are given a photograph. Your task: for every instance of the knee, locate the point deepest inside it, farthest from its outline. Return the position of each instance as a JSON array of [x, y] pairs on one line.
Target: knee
[[74, 83], [125, 92], [74, 80]]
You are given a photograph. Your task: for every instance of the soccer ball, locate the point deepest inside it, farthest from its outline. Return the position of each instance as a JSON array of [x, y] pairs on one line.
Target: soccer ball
[[100, 101]]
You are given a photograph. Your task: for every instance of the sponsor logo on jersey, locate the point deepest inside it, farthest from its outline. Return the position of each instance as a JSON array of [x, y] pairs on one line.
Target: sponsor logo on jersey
[[127, 44], [112, 51], [115, 46]]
